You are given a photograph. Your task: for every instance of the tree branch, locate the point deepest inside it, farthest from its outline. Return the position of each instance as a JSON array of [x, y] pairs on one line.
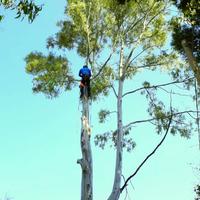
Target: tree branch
[[150, 65], [144, 161], [130, 61], [175, 93], [114, 91], [156, 86], [101, 69], [143, 17], [153, 119]]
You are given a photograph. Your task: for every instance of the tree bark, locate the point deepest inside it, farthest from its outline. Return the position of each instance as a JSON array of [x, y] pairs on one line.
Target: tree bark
[[196, 69], [86, 160], [192, 61], [119, 143]]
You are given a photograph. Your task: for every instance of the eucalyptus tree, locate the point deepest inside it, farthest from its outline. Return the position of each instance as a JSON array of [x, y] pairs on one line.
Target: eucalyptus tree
[[117, 39], [23, 8], [186, 38], [186, 32], [84, 32]]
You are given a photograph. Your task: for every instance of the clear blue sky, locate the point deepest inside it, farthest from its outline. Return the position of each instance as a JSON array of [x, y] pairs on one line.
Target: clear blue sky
[[40, 137]]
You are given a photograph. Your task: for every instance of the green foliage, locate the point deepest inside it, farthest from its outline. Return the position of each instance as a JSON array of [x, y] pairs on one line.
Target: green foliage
[[187, 26], [197, 191], [111, 138], [50, 73], [83, 29], [22, 7], [130, 72], [186, 74], [160, 116], [102, 83], [146, 84], [96, 28], [95, 25], [103, 114]]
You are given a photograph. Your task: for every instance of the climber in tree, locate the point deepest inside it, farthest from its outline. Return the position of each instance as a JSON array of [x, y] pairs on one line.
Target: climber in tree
[[85, 74]]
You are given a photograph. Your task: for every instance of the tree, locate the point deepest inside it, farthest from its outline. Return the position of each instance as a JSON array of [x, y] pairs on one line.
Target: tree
[[186, 37], [22, 7], [186, 27], [186, 33], [117, 41]]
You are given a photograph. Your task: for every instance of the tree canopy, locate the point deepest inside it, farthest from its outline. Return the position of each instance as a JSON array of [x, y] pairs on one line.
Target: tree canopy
[[187, 26], [119, 40]]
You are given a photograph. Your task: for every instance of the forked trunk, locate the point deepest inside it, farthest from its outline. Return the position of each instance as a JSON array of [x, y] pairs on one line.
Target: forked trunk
[[86, 160]]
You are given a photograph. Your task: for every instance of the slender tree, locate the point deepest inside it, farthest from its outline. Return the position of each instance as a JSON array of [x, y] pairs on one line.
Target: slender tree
[[117, 40]]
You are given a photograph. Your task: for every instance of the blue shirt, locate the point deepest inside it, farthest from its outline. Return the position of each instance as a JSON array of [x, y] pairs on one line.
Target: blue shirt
[[85, 71]]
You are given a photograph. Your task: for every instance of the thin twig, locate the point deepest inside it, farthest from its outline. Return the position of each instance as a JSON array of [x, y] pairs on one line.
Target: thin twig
[[130, 61], [149, 65], [175, 93], [114, 90]]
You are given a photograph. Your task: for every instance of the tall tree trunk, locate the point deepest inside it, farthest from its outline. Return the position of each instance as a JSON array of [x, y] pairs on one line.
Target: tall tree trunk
[[86, 160], [195, 68], [119, 143], [192, 61], [118, 166]]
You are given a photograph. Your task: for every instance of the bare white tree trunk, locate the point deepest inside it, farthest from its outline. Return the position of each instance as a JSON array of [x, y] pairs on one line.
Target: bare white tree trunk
[[86, 160], [119, 152]]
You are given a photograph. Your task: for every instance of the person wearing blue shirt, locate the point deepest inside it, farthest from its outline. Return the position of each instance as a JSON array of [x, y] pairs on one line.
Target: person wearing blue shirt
[[85, 74]]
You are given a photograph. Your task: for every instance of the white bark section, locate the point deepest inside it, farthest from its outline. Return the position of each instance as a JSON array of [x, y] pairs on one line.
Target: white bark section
[[86, 160], [119, 152], [192, 61]]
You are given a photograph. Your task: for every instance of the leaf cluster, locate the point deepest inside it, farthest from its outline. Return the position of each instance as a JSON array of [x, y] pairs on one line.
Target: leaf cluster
[[83, 29], [23, 8], [187, 27], [197, 191], [182, 73], [103, 114], [111, 138], [161, 116], [51, 73], [102, 83]]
